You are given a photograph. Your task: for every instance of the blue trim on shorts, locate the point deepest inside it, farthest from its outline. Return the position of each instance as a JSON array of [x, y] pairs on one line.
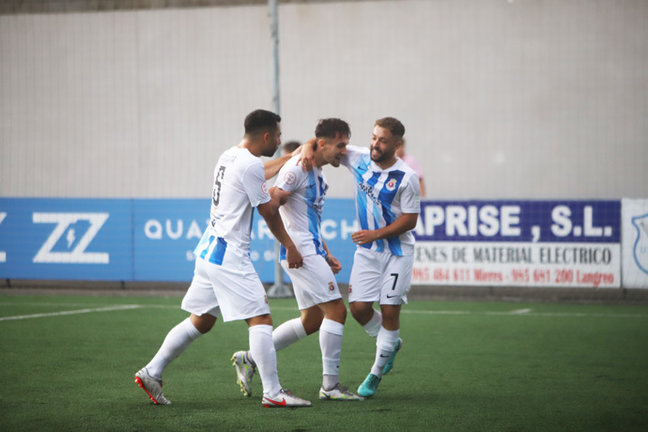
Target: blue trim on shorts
[[218, 253], [208, 243]]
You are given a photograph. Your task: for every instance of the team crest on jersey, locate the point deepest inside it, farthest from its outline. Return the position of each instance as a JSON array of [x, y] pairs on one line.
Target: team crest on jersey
[[290, 178], [331, 286], [264, 187], [391, 185]]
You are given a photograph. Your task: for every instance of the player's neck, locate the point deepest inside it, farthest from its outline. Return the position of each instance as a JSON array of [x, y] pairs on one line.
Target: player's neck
[[387, 164], [319, 160], [251, 146]]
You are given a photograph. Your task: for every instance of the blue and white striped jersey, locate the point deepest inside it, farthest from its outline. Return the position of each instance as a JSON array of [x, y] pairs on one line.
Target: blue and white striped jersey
[[382, 196], [302, 213]]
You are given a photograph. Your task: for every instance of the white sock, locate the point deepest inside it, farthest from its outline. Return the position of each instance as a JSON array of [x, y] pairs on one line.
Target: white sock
[[176, 341], [374, 325], [385, 344], [263, 351], [330, 339], [288, 333]]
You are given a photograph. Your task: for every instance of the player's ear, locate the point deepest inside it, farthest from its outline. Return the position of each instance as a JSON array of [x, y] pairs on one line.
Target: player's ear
[[318, 143]]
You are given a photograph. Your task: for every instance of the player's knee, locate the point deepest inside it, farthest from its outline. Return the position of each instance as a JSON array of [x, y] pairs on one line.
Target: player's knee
[[259, 320], [390, 317], [360, 311], [337, 312], [342, 315], [312, 327], [203, 323]]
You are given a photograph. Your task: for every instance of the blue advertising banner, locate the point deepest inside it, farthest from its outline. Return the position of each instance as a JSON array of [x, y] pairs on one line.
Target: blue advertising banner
[[65, 239], [133, 240], [535, 243], [521, 221], [165, 233], [543, 243]]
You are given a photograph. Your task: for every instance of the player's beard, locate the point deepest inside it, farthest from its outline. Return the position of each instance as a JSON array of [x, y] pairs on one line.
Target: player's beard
[[381, 157], [270, 150]]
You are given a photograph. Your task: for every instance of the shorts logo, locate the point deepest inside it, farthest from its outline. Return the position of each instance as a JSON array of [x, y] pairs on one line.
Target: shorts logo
[[290, 178], [331, 286], [350, 289], [391, 185], [264, 187], [266, 298]]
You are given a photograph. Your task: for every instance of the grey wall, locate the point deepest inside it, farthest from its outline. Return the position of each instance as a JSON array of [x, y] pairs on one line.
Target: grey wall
[[501, 99]]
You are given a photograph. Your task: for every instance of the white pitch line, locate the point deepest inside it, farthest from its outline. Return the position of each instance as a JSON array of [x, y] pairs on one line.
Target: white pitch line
[[70, 312], [515, 312], [520, 311], [50, 304]]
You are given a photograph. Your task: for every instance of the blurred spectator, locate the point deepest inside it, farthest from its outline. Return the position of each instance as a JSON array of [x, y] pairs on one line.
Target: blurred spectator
[[411, 161], [289, 147]]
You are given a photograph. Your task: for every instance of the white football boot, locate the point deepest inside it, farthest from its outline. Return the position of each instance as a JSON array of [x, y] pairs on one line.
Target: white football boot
[[338, 393], [284, 399], [152, 387], [244, 372]]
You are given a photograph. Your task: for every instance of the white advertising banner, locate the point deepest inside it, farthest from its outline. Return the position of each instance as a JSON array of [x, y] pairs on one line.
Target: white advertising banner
[[635, 242], [519, 243]]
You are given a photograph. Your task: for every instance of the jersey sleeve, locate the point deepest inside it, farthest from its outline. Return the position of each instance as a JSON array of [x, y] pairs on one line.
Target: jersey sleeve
[[354, 153], [290, 177], [410, 198], [255, 185]]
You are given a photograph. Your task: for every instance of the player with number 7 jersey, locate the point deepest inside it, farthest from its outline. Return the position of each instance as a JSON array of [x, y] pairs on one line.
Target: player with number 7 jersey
[[387, 199]]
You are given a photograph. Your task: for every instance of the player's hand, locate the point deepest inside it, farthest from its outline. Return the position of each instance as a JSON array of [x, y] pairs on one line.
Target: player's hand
[[294, 258], [307, 156], [364, 236], [333, 263]]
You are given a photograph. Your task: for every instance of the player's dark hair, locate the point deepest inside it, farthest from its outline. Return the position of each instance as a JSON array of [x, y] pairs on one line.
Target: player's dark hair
[[290, 146], [393, 125], [331, 127], [261, 121]]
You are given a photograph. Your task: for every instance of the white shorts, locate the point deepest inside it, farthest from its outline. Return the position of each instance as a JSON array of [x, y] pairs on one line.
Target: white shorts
[[232, 289], [314, 282], [380, 276]]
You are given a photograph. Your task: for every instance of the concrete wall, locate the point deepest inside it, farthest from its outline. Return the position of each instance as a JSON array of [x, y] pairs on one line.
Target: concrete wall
[[501, 99]]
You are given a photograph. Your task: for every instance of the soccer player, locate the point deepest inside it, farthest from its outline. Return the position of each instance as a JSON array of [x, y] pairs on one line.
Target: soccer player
[[387, 204], [225, 282], [301, 195]]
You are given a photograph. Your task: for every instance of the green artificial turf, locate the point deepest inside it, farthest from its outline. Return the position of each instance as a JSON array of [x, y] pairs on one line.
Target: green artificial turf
[[463, 367]]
